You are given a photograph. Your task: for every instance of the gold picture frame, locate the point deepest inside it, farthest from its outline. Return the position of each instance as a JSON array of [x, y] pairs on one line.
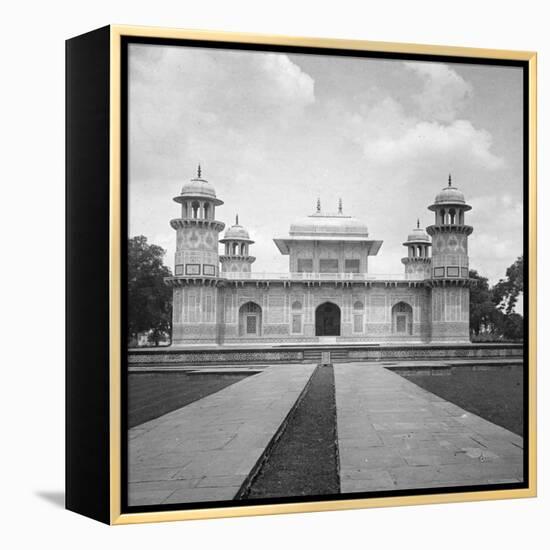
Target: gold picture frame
[[116, 33]]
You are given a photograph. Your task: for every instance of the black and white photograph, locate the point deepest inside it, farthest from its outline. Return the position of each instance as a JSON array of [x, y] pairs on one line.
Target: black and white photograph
[[324, 282], [274, 275]]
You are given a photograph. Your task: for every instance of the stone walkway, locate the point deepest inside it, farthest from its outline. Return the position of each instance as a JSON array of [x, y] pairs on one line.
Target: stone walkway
[[206, 450], [393, 435]]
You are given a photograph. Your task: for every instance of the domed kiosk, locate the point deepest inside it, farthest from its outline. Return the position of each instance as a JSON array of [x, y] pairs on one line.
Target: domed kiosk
[[418, 261], [236, 241], [328, 243], [197, 229]]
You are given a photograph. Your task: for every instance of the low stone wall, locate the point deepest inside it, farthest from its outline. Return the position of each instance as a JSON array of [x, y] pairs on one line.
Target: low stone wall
[[437, 352], [208, 357], [312, 354]]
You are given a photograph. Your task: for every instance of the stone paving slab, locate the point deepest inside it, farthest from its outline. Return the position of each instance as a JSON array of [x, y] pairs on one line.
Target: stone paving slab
[[473, 362], [201, 369], [393, 434], [205, 450]]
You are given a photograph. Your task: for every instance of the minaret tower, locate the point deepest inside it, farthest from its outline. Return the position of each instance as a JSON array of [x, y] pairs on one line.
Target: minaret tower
[[237, 241], [197, 230], [418, 261], [196, 300], [450, 270]]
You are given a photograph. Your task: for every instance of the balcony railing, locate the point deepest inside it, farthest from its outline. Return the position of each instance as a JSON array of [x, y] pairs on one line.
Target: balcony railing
[[232, 275]]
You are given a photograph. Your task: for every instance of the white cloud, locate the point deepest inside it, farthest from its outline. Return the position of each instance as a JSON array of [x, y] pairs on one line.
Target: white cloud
[[423, 140], [444, 91], [291, 83], [195, 104], [393, 134], [494, 251]]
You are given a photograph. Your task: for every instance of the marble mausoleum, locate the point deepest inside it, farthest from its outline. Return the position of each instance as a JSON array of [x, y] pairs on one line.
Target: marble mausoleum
[[328, 294]]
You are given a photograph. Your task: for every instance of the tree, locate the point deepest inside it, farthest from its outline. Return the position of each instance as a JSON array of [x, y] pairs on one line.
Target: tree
[[511, 326], [149, 298], [507, 291], [484, 315], [492, 314]]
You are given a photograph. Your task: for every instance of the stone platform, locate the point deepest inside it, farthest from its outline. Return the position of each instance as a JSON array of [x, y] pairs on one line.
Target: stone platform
[[312, 353], [391, 435]]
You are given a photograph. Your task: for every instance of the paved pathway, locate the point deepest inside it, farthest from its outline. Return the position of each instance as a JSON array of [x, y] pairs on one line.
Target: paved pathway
[[206, 450], [393, 434]]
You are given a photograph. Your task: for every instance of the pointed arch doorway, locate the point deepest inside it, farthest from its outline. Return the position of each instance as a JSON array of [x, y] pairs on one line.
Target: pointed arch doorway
[[327, 320]]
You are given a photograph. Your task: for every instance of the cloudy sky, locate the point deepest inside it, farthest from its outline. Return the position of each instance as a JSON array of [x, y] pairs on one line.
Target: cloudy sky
[[274, 131]]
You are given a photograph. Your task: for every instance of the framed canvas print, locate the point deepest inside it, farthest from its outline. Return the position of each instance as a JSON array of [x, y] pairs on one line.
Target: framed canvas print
[[300, 274]]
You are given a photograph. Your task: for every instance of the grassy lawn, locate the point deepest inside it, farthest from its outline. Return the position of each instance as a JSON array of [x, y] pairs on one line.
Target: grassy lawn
[[495, 394], [152, 394], [303, 461]]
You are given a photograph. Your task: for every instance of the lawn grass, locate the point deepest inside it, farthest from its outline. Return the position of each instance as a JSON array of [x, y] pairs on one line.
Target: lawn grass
[[494, 393], [304, 459], [152, 394]]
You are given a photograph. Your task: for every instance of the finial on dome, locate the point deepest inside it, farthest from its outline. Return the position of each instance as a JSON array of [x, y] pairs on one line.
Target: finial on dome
[[318, 205], [236, 219], [417, 223], [340, 205], [449, 180], [199, 171]]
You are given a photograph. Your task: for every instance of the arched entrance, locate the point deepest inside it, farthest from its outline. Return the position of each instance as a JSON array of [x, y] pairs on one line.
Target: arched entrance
[[402, 318], [250, 319], [327, 320]]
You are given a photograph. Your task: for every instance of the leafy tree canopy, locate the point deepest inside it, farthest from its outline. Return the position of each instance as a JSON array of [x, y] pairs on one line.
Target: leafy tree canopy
[[149, 298], [507, 290], [492, 315], [483, 312]]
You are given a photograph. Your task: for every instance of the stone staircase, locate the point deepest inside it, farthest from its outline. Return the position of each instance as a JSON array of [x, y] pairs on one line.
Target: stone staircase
[[315, 355]]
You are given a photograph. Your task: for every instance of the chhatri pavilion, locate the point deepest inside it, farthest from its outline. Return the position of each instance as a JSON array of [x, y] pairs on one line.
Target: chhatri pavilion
[[328, 294]]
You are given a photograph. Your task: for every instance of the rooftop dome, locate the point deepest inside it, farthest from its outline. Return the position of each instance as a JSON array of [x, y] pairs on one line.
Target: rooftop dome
[[449, 195], [236, 233], [325, 224], [418, 234], [198, 188]]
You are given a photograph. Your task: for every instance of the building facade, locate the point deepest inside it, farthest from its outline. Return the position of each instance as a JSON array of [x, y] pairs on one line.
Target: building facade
[[328, 294]]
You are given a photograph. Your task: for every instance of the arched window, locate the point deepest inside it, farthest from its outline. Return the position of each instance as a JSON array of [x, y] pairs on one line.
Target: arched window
[[452, 216], [358, 318], [206, 211], [235, 249], [195, 209], [296, 327], [243, 248], [402, 319], [250, 320], [442, 216]]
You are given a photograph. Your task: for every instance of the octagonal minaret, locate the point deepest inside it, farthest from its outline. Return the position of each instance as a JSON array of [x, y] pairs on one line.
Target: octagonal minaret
[[236, 258], [195, 310], [197, 230], [450, 266], [418, 261]]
